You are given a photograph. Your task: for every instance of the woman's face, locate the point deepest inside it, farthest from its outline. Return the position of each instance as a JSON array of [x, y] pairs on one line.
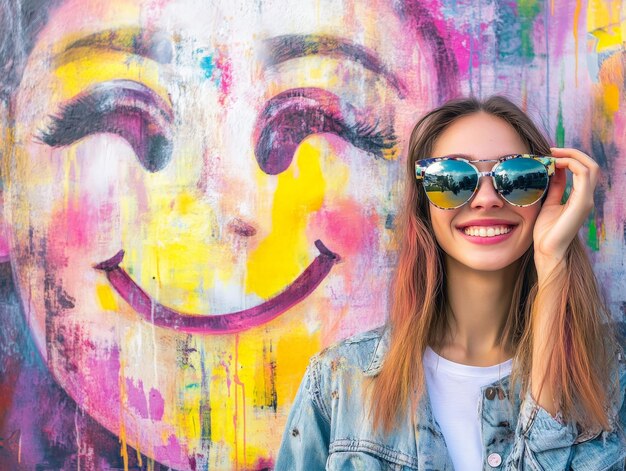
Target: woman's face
[[483, 136], [213, 144]]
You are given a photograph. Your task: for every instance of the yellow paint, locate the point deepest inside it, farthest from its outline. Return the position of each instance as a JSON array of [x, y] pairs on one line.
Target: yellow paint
[[221, 409], [182, 256], [335, 168], [293, 352], [603, 22], [107, 299], [231, 381], [611, 98], [188, 398], [123, 403], [346, 78], [286, 252], [185, 202], [575, 32], [239, 416], [126, 414], [7, 141], [138, 450], [96, 66], [71, 174], [179, 255], [607, 38]]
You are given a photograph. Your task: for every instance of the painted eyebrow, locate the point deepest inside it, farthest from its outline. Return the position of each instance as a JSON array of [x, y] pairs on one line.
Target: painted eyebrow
[[155, 45], [280, 49]]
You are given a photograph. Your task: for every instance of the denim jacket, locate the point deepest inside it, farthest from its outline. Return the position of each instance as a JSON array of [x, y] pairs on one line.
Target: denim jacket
[[329, 427]]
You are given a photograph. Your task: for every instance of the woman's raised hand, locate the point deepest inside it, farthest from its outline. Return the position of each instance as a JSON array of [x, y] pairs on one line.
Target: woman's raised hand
[[557, 224]]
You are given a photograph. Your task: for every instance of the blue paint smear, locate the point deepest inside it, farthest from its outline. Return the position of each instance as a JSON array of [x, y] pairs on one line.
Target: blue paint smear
[[208, 66]]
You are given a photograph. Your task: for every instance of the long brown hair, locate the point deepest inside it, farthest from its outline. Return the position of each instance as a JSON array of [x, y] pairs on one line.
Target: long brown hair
[[418, 315]]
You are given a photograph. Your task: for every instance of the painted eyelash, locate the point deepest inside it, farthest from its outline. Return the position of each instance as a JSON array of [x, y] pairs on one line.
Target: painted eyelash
[[292, 116], [122, 107], [372, 138]]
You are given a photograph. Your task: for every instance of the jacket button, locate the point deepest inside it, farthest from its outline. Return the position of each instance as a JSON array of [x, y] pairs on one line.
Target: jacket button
[[494, 460], [490, 393]]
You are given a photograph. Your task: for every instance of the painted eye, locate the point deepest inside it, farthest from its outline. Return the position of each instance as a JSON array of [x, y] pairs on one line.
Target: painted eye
[[292, 116], [122, 107]]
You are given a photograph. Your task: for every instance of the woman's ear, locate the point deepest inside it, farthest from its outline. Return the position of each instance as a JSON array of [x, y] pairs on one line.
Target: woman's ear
[[5, 146]]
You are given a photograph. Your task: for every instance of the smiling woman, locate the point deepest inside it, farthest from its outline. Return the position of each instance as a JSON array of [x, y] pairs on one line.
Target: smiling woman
[[498, 352], [197, 198]]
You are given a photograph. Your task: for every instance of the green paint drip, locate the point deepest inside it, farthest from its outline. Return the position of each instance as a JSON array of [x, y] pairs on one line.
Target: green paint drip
[[560, 142], [528, 11], [560, 129], [592, 235]]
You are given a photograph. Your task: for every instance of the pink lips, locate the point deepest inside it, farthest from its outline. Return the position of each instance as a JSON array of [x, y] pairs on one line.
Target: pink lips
[[154, 312]]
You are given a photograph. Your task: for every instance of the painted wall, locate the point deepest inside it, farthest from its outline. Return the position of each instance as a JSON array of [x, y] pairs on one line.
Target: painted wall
[[198, 196]]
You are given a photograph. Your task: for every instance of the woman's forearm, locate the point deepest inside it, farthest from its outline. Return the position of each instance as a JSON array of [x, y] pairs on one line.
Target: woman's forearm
[[551, 284]]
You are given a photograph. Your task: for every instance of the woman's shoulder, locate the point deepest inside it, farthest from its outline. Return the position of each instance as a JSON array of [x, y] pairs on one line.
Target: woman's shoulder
[[361, 352], [339, 373]]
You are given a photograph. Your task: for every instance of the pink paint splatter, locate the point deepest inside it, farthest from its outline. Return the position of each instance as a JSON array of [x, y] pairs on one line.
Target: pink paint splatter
[[349, 228], [148, 408], [157, 404], [225, 67], [263, 463], [173, 453], [137, 398]]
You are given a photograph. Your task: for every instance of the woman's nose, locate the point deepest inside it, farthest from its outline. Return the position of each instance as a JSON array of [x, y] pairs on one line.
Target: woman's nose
[[486, 195]]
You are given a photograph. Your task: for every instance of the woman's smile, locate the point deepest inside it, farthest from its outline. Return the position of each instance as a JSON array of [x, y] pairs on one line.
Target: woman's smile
[[487, 231]]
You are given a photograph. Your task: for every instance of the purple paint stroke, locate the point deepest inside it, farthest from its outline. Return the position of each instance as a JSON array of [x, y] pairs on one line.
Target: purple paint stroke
[[137, 398], [157, 404], [292, 46], [162, 316], [426, 25]]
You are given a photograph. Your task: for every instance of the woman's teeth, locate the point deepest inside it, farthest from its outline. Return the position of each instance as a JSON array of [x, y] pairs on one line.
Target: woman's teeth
[[486, 231]]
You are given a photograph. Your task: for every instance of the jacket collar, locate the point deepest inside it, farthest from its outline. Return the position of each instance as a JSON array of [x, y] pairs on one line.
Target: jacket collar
[[376, 363], [382, 346]]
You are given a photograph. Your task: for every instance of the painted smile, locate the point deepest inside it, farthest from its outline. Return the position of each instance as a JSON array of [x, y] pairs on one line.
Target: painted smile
[[157, 314]]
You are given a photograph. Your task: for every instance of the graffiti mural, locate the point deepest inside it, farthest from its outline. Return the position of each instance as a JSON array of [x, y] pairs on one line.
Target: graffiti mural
[[198, 196]]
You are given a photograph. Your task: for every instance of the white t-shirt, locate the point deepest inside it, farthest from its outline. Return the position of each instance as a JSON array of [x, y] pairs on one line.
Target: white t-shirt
[[454, 392]]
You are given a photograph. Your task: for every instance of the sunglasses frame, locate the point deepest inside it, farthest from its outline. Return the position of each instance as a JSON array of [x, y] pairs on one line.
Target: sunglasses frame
[[548, 162]]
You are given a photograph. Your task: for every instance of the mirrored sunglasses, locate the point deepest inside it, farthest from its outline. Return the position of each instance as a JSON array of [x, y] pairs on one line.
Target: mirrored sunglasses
[[450, 182]]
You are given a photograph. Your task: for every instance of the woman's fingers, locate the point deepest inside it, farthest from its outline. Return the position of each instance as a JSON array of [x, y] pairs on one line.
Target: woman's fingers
[[558, 181], [573, 153], [572, 215], [584, 178], [585, 175]]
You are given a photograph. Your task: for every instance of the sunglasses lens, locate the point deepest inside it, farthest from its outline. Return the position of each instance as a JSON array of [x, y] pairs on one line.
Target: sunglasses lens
[[450, 183], [521, 181]]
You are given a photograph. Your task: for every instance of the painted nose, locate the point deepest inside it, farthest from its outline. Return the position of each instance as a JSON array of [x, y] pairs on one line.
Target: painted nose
[[241, 227]]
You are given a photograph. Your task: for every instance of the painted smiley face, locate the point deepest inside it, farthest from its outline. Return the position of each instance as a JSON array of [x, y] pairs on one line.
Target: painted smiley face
[[172, 185]]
